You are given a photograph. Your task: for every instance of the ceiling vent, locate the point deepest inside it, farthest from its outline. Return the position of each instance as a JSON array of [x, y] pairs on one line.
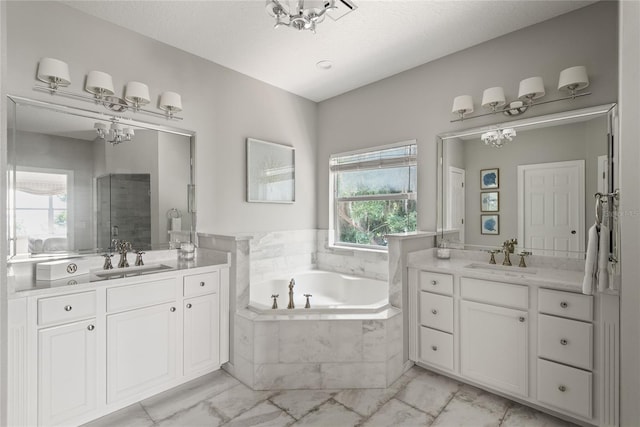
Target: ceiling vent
[[343, 7]]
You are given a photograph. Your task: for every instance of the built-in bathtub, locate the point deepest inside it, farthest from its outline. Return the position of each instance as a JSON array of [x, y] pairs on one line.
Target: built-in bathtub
[[331, 293], [350, 338]]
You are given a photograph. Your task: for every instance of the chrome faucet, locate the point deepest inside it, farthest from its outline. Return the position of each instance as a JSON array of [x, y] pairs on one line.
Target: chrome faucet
[[292, 283], [508, 248], [122, 247]]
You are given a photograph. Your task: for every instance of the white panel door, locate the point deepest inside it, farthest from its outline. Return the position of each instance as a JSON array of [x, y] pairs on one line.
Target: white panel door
[[494, 346], [141, 350], [551, 207], [67, 372], [455, 217], [201, 334]]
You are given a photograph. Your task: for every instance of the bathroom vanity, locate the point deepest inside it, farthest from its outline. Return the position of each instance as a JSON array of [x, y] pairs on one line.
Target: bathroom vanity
[[87, 346], [525, 333]]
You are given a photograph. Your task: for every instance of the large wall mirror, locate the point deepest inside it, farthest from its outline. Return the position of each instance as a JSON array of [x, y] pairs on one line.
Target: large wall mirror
[[532, 179], [75, 184]]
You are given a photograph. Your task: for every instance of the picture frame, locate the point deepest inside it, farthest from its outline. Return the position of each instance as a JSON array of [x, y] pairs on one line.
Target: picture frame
[[490, 179], [489, 201], [490, 224], [270, 172]]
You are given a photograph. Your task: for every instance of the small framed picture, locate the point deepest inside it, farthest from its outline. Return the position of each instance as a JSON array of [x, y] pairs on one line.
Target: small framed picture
[[490, 224], [490, 201], [489, 179]]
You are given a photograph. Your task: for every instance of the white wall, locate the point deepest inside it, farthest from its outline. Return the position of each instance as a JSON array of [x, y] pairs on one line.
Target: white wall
[[222, 106], [417, 104]]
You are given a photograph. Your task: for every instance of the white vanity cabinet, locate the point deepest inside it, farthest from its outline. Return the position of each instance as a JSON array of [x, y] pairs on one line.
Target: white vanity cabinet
[[436, 319], [80, 355]]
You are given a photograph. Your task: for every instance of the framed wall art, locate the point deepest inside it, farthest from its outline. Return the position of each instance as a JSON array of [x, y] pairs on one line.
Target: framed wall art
[[489, 179], [489, 201], [490, 224], [270, 172]]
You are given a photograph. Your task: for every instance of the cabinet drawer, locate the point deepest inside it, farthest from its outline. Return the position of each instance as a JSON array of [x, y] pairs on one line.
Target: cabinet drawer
[[201, 284], [566, 304], [141, 295], [495, 293], [565, 388], [66, 308], [436, 311], [436, 282], [436, 348], [566, 341]]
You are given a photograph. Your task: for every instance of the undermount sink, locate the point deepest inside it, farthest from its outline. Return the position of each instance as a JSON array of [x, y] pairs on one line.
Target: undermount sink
[[131, 271], [502, 269]]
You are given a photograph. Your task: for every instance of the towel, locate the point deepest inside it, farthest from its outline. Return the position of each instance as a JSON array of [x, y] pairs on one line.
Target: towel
[[591, 264], [603, 259]]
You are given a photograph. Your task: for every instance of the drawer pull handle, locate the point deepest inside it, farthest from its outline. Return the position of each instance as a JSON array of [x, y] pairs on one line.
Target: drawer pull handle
[[172, 309], [91, 327], [564, 304], [67, 308], [521, 319], [434, 347], [434, 282], [201, 283], [563, 341], [189, 305], [562, 388], [434, 311]]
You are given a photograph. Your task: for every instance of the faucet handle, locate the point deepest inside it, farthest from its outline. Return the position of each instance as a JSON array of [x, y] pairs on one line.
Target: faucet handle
[[139, 260], [107, 262], [493, 253], [275, 301], [307, 305], [522, 255]]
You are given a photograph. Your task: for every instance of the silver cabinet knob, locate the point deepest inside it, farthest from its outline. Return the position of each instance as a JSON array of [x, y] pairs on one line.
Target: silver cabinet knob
[[434, 282], [564, 304], [172, 309], [434, 347], [91, 327], [189, 305], [562, 388], [201, 283], [67, 308], [434, 311], [521, 319], [564, 341]]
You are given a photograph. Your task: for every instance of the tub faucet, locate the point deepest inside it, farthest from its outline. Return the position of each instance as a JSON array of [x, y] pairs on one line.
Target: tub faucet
[[292, 283]]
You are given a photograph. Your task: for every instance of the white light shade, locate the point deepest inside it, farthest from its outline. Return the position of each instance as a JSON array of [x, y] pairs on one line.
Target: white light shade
[[493, 97], [99, 83], [574, 78], [170, 101], [137, 93], [54, 71], [462, 104], [531, 88], [100, 126]]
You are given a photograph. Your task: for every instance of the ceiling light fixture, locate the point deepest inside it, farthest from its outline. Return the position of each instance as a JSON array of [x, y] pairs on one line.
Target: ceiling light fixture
[[498, 138], [296, 14], [116, 134], [530, 90]]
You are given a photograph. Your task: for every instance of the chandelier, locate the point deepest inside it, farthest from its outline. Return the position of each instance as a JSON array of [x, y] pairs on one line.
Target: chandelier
[[294, 13], [498, 138]]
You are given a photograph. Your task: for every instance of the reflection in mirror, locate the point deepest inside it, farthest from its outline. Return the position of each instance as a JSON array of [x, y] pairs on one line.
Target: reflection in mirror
[[79, 179], [532, 179]]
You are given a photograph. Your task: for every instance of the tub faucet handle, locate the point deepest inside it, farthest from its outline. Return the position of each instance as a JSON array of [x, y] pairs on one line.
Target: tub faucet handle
[[307, 305], [275, 301], [139, 260]]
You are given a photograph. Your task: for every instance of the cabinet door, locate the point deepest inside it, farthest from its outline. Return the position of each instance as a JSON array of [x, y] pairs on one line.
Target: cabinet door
[[201, 334], [493, 346], [141, 350], [67, 372]]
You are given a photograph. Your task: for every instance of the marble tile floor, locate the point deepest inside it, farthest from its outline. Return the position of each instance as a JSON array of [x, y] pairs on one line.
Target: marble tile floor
[[418, 398]]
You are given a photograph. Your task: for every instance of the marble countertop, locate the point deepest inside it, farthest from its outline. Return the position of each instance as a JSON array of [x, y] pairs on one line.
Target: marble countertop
[[570, 280], [22, 277]]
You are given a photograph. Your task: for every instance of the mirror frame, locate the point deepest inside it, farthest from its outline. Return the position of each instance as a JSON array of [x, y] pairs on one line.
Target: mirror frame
[[103, 116], [609, 110]]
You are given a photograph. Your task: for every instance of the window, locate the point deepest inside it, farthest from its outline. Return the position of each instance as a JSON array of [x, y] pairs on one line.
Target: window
[[374, 194]]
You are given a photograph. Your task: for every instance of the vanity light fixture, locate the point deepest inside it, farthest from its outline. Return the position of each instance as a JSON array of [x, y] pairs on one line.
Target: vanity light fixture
[[572, 79], [294, 14], [171, 102], [100, 84], [499, 137], [54, 72], [137, 93], [462, 105]]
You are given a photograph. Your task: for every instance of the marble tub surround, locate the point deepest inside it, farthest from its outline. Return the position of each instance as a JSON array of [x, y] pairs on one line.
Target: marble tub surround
[[318, 351], [356, 262], [417, 398]]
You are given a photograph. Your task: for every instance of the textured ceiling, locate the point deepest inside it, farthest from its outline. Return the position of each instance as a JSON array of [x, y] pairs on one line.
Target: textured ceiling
[[379, 39]]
